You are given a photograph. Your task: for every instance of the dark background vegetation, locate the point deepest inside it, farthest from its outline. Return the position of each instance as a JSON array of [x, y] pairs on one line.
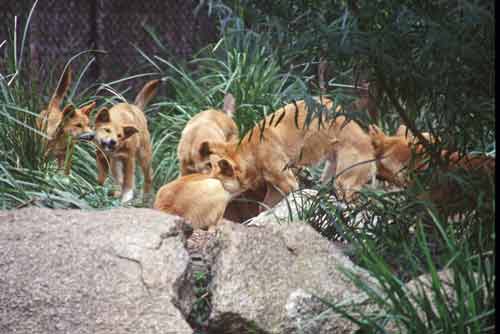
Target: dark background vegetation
[[429, 65]]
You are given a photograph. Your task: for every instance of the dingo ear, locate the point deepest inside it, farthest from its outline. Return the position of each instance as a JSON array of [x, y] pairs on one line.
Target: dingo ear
[[205, 149], [129, 130], [62, 88], [225, 168], [69, 111], [102, 116], [229, 104], [88, 108]]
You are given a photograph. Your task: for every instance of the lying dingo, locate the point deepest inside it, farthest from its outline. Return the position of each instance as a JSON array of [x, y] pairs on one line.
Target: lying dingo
[[58, 124], [122, 135], [200, 198], [262, 157]]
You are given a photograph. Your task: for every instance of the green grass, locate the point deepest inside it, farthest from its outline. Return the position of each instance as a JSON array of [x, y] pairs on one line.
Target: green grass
[[463, 304]]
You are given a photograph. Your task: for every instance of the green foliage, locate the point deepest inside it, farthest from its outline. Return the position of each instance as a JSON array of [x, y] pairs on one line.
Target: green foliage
[[201, 308], [464, 303]]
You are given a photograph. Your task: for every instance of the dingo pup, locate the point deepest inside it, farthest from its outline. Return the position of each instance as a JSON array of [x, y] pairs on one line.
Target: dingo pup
[[262, 157], [214, 125], [58, 124], [200, 198], [122, 135]]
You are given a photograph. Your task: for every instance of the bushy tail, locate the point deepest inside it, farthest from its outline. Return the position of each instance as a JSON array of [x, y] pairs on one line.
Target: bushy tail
[[147, 93]]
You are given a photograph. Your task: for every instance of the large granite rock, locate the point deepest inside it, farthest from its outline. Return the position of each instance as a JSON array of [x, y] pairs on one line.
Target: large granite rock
[[267, 279], [115, 271]]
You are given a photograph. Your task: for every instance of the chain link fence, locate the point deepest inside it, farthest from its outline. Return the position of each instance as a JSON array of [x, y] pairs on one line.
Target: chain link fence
[[61, 29]]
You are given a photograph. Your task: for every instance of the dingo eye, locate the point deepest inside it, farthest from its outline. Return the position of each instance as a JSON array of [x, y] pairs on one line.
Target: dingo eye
[[107, 130], [79, 126], [120, 135]]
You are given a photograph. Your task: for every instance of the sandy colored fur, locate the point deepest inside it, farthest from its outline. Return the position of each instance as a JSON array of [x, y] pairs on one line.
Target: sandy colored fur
[[218, 126], [396, 153], [200, 198], [400, 155], [197, 197], [135, 146], [214, 125], [57, 124], [263, 157]]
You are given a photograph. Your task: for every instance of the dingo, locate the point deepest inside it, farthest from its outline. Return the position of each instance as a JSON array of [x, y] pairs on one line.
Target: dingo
[[58, 125], [262, 157], [211, 124], [200, 198], [122, 135], [399, 155]]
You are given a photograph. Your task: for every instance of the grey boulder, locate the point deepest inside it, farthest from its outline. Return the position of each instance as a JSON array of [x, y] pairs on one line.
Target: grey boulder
[[268, 278], [115, 271]]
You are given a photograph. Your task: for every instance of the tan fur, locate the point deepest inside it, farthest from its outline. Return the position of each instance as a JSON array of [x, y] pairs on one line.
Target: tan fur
[[217, 126], [263, 158], [214, 125], [200, 198], [122, 135], [58, 124], [399, 155], [393, 156], [396, 153]]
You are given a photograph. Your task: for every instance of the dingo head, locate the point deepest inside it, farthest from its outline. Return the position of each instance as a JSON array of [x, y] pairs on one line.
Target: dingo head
[[69, 121], [226, 171], [230, 153], [393, 155], [76, 121], [109, 135], [403, 131]]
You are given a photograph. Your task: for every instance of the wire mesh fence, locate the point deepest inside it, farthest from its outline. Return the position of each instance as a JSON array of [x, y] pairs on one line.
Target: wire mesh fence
[[62, 29]]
